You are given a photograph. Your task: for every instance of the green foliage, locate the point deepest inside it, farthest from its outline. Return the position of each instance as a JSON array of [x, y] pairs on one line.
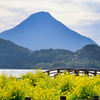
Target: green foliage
[[91, 52], [14, 56]]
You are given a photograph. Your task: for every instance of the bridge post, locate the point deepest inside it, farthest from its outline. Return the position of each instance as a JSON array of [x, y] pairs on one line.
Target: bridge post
[[86, 72], [95, 97], [48, 73], [68, 70], [62, 97], [76, 72], [58, 71], [95, 72], [27, 98]]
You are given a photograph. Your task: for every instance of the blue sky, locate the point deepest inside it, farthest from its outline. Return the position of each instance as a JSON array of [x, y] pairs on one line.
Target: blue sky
[[82, 16]]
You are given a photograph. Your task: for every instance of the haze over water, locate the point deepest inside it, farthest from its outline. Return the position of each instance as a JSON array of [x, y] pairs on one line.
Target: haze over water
[[17, 72]]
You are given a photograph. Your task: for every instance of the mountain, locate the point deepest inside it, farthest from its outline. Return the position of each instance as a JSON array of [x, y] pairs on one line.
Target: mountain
[[89, 52], [42, 31], [12, 55]]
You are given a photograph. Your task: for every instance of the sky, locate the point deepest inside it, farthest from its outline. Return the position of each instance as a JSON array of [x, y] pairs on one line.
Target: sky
[[82, 16]]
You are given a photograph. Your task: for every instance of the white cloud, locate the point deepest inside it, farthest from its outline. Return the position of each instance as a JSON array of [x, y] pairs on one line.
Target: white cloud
[[70, 12]]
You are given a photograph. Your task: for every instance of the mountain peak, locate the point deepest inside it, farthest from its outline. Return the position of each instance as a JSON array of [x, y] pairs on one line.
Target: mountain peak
[[42, 13], [42, 31]]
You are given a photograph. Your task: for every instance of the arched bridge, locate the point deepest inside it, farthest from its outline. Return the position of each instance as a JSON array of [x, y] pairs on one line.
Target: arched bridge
[[54, 72]]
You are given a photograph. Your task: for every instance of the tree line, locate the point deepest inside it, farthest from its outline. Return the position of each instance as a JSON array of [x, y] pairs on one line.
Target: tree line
[[14, 56]]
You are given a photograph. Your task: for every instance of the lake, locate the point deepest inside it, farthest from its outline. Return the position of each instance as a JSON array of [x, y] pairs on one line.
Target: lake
[[16, 71]]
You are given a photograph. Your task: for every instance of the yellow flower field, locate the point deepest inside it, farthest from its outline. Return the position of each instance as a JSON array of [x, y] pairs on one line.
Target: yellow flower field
[[40, 86]]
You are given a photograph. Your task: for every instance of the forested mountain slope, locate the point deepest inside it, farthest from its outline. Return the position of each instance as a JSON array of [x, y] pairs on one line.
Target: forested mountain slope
[[13, 56]]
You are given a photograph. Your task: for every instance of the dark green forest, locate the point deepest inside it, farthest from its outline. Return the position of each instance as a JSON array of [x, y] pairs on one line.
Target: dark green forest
[[13, 56]]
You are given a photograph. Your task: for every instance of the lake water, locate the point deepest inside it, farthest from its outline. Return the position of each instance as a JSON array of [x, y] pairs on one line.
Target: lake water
[[16, 72]]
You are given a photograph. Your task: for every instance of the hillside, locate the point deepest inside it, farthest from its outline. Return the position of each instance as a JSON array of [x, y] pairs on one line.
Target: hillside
[[14, 56], [42, 31], [89, 52]]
